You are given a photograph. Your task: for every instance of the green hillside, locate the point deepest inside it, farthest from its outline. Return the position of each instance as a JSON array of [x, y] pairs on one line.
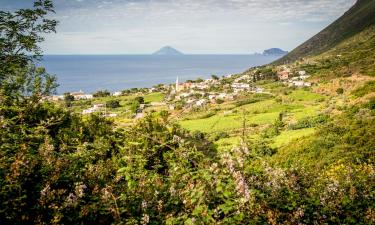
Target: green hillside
[[357, 19], [355, 55], [277, 153]]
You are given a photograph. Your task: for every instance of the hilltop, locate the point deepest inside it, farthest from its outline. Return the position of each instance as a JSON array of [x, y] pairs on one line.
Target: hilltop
[[168, 50], [357, 19], [275, 51]]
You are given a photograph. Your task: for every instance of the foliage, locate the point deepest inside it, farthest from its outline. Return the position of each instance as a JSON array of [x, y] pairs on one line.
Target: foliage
[[340, 91], [215, 77], [308, 122], [367, 88], [68, 99], [101, 93], [139, 99], [219, 101], [59, 168], [134, 106], [253, 99], [113, 103]]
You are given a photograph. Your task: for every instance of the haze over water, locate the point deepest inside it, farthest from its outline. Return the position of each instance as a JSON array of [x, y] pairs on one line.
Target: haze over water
[[90, 73]]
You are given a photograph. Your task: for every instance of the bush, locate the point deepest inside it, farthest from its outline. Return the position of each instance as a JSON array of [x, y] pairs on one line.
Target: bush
[[68, 99], [371, 104], [309, 122], [101, 93], [140, 99], [219, 101], [340, 91], [220, 135], [113, 104], [253, 99], [134, 106], [368, 87]]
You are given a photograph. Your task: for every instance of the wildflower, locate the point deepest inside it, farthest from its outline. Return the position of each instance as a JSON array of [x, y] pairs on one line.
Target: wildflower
[[144, 204], [145, 219], [45, 190]]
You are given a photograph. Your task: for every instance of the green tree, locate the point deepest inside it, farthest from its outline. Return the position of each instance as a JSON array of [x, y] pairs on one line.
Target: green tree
[[139, 99], [20, 33], [214, 77], [113, 103], [101, 93], [68, 99]]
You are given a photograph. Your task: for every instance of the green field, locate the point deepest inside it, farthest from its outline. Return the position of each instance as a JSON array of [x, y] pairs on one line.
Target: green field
[[260, 113], [286, 136], [154, 97]]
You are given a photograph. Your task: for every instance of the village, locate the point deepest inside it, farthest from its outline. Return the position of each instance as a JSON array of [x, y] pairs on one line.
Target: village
[[191, 94]]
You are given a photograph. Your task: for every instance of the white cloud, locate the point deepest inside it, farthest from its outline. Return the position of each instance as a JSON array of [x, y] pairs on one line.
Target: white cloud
[[196, 26]]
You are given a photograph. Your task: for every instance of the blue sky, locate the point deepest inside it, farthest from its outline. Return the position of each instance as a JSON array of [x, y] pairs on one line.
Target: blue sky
[[191, 26]]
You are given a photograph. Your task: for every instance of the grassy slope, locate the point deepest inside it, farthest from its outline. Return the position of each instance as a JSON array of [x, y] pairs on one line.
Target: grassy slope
[[349, 137], [357, 19], [298, 104], [354, 55]]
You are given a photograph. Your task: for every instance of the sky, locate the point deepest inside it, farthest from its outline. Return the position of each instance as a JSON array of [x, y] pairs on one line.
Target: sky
[[191, 26]]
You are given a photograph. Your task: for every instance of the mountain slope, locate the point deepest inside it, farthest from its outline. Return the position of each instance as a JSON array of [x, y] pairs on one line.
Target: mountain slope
[[355, 20], [354, 55]]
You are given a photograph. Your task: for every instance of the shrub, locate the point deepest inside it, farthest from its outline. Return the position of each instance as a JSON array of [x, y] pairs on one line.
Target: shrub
[[140, 99], [68, 99], [219, 101], [134, 106], [368, 87], [371, 104], [113, 103], [101, 93], [309, 122], [340, 91], [220, 135]]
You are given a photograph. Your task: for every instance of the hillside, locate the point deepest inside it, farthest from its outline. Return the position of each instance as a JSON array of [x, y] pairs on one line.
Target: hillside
[[355, 20], [277, 145]]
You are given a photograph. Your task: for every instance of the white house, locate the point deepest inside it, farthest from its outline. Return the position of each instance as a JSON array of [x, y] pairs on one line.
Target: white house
[[88, 111], [259, 90], [300, 84], [185, 95], [237, 87], [190, 101], [117, 93], [212, 97], [223, 95], [303, 77], [201, 102]]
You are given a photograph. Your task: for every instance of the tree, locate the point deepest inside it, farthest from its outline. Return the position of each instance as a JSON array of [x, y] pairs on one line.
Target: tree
[[113, 103], [101, 93], [214, 77], [20, 33], [68, 99], [140, 99]]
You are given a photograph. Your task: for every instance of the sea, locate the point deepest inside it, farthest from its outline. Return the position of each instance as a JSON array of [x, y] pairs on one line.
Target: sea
[[91, 73]]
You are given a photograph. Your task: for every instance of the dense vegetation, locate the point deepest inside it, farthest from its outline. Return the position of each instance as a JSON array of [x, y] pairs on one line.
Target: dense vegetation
[[57, 167]]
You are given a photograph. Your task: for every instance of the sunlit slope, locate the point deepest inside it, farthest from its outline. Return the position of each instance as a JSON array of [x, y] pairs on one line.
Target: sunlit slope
[[358, 18]]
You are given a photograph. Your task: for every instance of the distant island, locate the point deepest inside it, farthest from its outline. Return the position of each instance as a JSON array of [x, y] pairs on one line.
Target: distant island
[[168, 50], [275, 51]]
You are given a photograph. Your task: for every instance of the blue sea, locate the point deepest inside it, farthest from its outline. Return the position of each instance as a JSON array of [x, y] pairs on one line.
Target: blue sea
[[90, 73]]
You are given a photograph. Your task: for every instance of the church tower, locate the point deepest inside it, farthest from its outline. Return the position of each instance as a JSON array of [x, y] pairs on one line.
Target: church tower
[[177, 85]]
